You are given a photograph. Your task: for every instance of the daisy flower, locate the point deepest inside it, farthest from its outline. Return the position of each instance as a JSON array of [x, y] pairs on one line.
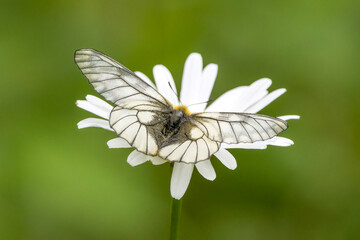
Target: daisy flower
[[196, 87]]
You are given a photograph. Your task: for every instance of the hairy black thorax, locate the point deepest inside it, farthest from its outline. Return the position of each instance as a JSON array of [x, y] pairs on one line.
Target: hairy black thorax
[[173, 124]]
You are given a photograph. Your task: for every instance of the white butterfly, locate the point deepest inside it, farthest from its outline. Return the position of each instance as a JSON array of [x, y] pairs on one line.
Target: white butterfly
[[150, 124]]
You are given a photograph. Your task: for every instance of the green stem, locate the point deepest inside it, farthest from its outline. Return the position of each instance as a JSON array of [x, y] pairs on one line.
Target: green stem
[[175, 218]]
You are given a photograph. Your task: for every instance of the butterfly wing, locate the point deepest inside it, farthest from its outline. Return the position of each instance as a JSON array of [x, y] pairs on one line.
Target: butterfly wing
[[115, 82], [190, 145], [235, 128], [140, 110], [138, 127]]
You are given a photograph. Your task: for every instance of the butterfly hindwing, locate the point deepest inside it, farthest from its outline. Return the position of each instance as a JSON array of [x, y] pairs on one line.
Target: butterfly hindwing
[[190, 146], [135, 126]]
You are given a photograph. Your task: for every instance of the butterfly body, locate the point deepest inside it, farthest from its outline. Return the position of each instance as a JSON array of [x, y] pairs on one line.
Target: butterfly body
[[150, 124], [175, 121], [173, 127]]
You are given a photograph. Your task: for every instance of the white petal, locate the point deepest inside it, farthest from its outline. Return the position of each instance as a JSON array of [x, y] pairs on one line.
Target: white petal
[[206, 169], [99, 102], [157, 160], [275, 141], [180, 179], [191, 80], [255, 145], [227, 101], [257, 90], [163, 78], [288, 117], [226, 158], [280, 141], [207, 82], [118, 143], [95, 109], [265, 101], [145, 78], [240, 98], [94, 122], [136, 158]]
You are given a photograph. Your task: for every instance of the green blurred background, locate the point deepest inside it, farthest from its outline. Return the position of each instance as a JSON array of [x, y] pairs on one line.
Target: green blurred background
[[58, 182]]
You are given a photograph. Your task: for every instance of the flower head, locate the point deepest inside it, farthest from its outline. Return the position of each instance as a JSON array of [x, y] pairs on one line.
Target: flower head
[[197, 84]]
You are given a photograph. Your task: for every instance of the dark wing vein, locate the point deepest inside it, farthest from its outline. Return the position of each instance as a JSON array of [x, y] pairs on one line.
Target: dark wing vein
[[255, 130], [117, 120], [174, 150], [254, 127], [127, 127], [246, 131], [262, 128], [185, 151], [197, 151], [232, 128], [99, 69], [271, 127], [207, 146], [132, 142]]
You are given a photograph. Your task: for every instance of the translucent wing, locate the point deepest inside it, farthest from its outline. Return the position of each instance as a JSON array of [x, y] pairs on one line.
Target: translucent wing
[[138, 127], [190, 146], [234, 128], [115, 82]]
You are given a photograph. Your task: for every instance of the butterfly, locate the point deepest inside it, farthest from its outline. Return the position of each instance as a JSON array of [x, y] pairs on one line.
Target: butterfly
[[153, 126]]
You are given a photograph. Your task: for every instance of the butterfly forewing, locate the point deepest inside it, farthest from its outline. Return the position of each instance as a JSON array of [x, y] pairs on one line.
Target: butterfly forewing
[[113, 81], [235, 128]]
